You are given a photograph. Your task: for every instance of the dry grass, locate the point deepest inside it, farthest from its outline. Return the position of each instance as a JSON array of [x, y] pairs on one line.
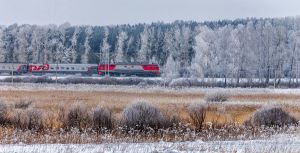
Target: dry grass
[[266, 97], [55, 104], [176, 102]]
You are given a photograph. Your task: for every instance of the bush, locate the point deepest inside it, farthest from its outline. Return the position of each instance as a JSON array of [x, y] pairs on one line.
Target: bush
[[197, 113], [35, 119], [274, 116], [61, 115], [142, 115], [31, 119], [143, 84], [171, 121], [78, 117], [23, 104], [217, 97], [102, 119], [20, 119], [181, 82], [3, 113]]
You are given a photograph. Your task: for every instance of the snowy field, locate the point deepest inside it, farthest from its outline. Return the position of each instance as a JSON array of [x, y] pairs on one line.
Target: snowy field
[[154, 81], [137, 88], [275, 144]]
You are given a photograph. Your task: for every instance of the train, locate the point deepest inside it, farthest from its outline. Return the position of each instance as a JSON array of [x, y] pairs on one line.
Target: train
[[103, 69]]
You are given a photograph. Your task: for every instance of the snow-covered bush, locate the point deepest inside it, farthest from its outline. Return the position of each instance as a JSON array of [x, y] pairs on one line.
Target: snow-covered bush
[[141, 115], [216, 97], [102, 118], [78, 116], [3, 113], [185, 82], [197, 113], [273, 116], [181, 82]]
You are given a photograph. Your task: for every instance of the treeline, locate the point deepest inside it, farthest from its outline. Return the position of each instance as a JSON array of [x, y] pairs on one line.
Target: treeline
[[244, 48]]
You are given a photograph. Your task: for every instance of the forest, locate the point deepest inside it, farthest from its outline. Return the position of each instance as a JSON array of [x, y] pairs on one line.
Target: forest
[[260, 48]]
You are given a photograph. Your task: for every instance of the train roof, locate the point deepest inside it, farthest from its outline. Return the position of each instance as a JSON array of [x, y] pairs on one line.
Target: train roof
[[131, 63], [119, 63]]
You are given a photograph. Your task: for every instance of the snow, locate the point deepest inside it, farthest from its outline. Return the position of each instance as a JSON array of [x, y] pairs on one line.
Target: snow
[[135, 88], [277, 143]]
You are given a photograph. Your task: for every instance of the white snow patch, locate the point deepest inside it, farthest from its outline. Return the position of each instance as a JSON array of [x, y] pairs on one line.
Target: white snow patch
[[279, 143]]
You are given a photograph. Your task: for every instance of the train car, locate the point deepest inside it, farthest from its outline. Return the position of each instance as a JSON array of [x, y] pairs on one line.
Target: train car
[[60, 68], [11, 68], [129, 69]]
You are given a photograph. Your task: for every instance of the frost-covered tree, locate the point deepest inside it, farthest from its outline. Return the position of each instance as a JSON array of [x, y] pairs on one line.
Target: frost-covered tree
[[72, 50], [87, 47], [119, 57], [239, 49], [268, 49], [145, 51], [240, 52], [2, 50], [39, 44], [105, 56], [292, 66], [171, 69], [10, 43], [206, 49], [24, 47], [225, 52]]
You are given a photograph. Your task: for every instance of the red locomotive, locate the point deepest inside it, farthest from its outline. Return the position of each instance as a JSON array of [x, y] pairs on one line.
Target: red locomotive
[[124, 69]]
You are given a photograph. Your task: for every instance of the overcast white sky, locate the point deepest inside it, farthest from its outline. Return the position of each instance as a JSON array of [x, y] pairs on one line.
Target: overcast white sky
[[107, 12]]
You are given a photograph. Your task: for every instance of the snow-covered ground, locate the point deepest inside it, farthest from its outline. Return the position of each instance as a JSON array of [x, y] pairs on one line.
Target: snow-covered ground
[[275, 144], [137, 88]]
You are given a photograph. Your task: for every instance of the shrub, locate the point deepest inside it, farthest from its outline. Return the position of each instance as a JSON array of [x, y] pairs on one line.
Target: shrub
[[102, 118], [3, 113], [35, 119], [217, 97], [197, 113], [78, 117], [142, 115], [31, 119], [20, 119], [143, 84], [61, 115], [181, 82], [274, 116], [171, 121], [23, 104]]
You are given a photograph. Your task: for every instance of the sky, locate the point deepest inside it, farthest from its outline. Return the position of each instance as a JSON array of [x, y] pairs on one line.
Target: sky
[[112, 12]]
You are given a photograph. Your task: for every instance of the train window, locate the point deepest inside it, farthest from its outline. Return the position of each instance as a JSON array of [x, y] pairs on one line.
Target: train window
[[82, 68], [51, 68], [67, 68], [72, 68], [3, 67], [62, 68]]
